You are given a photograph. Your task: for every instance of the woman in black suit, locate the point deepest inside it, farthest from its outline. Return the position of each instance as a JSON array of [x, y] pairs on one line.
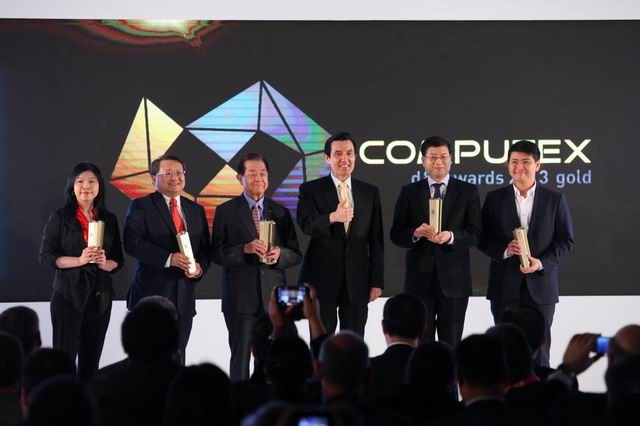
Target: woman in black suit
[[82, 290]]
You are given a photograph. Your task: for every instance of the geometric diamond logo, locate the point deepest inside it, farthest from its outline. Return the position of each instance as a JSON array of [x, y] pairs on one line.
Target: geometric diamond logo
[[224, 186], [225, 130], [151, 134]]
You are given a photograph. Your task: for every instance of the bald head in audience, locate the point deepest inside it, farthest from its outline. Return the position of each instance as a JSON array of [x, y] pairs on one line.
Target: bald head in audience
[[625, 341]]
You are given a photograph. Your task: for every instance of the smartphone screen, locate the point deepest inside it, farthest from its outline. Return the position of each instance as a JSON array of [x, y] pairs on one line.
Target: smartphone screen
[[288, 296], [313, 421], [602, 345]]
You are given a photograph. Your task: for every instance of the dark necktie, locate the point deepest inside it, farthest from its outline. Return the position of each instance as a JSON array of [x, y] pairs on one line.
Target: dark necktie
[[436, 190], [175, 215]]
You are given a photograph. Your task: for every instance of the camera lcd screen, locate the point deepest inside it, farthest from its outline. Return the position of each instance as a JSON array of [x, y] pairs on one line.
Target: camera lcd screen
[[290, 295], [313, 421], [602, 345]]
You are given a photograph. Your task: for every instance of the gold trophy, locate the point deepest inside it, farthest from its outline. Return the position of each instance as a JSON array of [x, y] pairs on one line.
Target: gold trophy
[[435, 214], [267, 236], [95, 237], [520, 235], [184, 243]]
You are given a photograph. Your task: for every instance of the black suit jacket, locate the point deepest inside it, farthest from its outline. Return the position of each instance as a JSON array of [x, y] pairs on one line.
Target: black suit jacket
[[488, 412], [388, 371], [150, 237], [241, 274], [366, 414], [62, 236], [460, 215], [332, 255], [550, 236], [134, 394]]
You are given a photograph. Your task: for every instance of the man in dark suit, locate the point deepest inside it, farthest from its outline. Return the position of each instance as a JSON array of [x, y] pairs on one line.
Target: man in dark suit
[[150, 230], [345, 257], [481, 373], [438, 268], [135, 394], [247, 282], [545, 215], [343, 367], [586, 408], [403, 325]]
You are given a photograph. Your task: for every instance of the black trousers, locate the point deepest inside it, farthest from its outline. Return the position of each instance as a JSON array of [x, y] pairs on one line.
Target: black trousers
[[185, 323], [239, 327], [444, 314], [547, 311], [80, 334], [352, 318]]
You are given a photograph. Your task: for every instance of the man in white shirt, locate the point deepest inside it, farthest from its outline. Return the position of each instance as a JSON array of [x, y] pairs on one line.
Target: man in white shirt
[[545, 215]]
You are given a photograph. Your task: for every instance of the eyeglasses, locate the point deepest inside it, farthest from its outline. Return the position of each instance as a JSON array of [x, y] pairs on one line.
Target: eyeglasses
[[434, 158], [173, 173], [253, 175], [525, 162]]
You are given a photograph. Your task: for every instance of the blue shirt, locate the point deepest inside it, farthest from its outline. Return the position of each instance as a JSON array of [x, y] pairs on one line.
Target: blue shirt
[[251, 203]]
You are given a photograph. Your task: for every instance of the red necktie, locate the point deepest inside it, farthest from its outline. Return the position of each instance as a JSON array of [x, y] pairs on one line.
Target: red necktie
[[175, 215], [255, 212]]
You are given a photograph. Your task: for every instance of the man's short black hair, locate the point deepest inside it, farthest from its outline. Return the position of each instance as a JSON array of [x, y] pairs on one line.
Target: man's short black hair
[[62, 400], [259, 339], [404, 315], [199, 395], [43, 364], [288, 362], [154, 168], [10, 360], [340, 136], [480, 361], [431, 366], [526, 147], [529, 320], [434, 142], [23, 323], [344, 360], [517, 354], [150, 332], [623, 377], [252, 156]]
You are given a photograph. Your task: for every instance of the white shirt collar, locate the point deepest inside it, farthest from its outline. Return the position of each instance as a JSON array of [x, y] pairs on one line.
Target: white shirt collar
[[531, 192], [400, 343], [168, 200], [445, 180], [337, 181], [482, 398]]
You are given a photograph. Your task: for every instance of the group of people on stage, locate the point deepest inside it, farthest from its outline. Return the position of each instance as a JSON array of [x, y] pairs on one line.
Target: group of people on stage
[[344, 260]]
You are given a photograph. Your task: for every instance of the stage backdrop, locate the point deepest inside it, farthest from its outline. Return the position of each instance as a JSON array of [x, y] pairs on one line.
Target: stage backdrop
[[121, 93]]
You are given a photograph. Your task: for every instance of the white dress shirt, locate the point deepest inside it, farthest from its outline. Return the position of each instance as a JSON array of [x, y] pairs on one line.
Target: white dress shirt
[[337, 183], [443, 192], [524, 207], [443, 187]]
